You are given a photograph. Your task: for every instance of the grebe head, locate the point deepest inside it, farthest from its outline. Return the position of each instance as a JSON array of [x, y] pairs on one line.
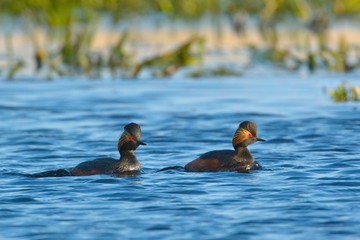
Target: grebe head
[[130, 138], [245, 135]]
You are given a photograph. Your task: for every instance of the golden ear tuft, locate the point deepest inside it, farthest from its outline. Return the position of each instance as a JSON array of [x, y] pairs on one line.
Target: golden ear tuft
[[240, 136], [123, 138]]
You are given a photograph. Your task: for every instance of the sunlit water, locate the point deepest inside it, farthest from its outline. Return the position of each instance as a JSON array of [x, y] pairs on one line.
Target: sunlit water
[[309, 189]]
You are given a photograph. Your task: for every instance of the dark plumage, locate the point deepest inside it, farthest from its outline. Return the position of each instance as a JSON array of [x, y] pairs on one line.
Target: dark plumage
[[237, 160], [128, 163]]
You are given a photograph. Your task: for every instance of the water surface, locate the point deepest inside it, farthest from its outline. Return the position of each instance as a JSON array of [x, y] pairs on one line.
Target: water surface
[[310, 186]]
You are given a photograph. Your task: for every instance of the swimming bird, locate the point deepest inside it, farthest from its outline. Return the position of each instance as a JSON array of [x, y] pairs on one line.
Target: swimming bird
[[237, 160], [126, 165]]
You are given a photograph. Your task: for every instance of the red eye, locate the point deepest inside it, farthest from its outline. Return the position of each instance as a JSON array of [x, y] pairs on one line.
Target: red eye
[[131, 138], [249, 135]]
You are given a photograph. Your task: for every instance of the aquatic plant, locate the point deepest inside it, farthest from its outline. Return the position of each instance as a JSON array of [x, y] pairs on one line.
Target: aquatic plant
[[345, 92], [220, 71], [119, 59], [70, 27], [342, 58], [14, 69], [167, 64]]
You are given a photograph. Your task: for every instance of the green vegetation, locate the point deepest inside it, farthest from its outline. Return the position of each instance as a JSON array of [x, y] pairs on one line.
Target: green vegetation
[[70, 28], [168, 63], [345, 92], [221, 71]]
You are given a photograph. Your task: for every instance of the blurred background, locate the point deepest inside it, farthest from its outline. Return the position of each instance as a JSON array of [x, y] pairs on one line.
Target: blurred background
[[119, 38], [73, 73]]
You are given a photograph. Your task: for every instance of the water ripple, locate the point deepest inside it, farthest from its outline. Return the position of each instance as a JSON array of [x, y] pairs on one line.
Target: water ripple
[[309, 185]]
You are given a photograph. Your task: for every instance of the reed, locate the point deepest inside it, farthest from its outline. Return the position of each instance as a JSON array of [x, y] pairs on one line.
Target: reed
[[345, 92], [220, 71], [71, 27], [188, 53]]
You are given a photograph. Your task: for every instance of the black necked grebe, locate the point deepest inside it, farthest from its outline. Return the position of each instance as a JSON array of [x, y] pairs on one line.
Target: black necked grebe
[[239, 160], [127, 165]]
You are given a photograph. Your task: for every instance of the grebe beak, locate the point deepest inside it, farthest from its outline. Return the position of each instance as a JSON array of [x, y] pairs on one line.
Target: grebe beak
[[260, 139], [141, 142]]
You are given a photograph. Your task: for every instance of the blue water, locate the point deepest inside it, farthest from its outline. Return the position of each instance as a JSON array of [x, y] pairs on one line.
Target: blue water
[[310, 186]]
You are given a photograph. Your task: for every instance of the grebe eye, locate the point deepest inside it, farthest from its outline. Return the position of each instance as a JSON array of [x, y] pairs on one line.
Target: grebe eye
[[250, 135], [131, 138]]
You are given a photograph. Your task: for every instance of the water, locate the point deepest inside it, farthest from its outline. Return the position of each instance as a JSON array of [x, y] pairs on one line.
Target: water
[[310, 186]]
